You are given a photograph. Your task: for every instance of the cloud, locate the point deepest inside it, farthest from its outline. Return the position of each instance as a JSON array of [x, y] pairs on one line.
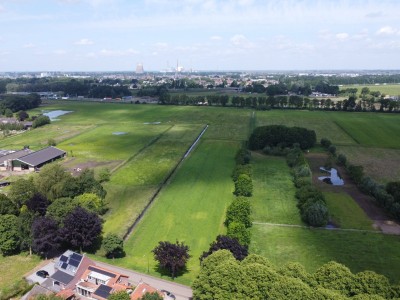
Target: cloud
[[107, 52], [60, 52], [84, 42], [29, 45], [377, 14], [4, 53], [2, 9], [160, 46], [215, 38], [342, 36], [240, 41], [387, 30]]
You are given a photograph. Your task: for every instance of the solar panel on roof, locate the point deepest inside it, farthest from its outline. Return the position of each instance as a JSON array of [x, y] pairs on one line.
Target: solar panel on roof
[[103, 291], [64, 266], [74, 262], [63, 258], [91, 268], [76, 257]]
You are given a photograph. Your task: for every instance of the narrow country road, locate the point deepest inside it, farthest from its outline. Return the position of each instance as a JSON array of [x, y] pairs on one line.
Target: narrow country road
[[182, 292]]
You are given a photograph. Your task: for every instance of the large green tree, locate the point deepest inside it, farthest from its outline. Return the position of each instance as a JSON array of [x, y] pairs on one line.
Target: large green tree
[[243, 186], [9, 235], [113, 245], [239, 211]]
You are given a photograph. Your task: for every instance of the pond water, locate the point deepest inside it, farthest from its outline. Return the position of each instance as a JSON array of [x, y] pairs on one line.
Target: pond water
[[56, 113], [119, 133], [333, 178], [152, 123]]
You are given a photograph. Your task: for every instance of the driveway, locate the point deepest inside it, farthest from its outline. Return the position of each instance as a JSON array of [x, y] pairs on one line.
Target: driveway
[[48, 266], [182, 292]]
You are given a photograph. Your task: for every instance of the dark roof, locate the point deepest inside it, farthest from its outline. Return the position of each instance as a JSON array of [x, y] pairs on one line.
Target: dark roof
[[103, 291], [15, 155], [41, 156], [112, 275], [62, 277]]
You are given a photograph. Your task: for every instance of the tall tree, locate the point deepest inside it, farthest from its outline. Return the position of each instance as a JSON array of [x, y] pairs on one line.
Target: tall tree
[[81, 228], [9, 235], [50, 181], [239, 211], [45, 233], [120, 295], [38, 203], [7, 207], [25, 221], [172, 257], [21, 191]]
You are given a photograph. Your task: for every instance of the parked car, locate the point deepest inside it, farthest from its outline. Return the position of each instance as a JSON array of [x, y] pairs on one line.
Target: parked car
[[168, 295], [42, 273]]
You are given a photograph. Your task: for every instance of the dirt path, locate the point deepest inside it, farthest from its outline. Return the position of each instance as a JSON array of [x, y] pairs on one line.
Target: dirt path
[[381, 220]]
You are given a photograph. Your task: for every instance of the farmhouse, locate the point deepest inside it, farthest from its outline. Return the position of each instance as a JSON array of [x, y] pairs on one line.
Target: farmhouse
[[35, 160]]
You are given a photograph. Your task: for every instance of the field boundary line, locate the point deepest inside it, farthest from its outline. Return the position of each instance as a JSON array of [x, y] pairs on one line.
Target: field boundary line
[[345, 131], [116, 168], [319, 228], [163, 183]]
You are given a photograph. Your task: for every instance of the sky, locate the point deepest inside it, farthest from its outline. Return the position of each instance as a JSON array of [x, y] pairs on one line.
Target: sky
[[116, 35]]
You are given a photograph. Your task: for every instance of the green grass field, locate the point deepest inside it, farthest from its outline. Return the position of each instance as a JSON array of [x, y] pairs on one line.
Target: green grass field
[[273, 199], [387, 89], [14, 267], [314, 247], [345, 211], [190, 208]]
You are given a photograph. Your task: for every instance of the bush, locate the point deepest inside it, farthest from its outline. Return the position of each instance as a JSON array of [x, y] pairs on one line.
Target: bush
[[40, 121], [341, 159], [332, 150], [356, 173], [243, 186], [302, 181], [302, 171], [242, 157], [237, 230], [325, 143], [239, 211], [241, 169], [315, 213]]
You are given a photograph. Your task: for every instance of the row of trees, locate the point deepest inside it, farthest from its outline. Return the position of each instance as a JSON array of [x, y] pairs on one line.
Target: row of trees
[[311, 201], [387, 196], [19, 102], [280, 135], [224, 277]]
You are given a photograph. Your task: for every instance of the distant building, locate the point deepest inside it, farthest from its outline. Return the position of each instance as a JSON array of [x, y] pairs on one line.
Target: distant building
[[139, 69]]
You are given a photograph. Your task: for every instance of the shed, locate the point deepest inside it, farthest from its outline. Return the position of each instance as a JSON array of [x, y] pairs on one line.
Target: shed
[[35, 160]]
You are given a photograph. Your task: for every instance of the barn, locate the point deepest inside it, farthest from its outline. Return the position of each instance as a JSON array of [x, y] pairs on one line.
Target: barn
[[35, 160]]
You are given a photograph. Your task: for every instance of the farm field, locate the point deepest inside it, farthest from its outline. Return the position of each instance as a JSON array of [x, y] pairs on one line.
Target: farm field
[[190, 209], [388, 89], [192, 206], [273, 199], [313, 247]]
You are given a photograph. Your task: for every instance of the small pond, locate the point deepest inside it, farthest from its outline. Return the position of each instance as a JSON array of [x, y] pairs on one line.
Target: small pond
[[56, 113], [119, 133], [152, 123], [333, 178]]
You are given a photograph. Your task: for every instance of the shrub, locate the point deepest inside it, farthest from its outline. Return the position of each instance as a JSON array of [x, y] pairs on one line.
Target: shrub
[[242, 157], [239, 211], [241, 169], [356, 173], [315, 213], [302, 171], [40, 121], [341, 159], [325, 143], [332, 150], [243, 186], [237, 230]]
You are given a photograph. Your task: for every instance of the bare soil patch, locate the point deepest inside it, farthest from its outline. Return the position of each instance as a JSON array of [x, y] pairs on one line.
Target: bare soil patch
[[381, 220], [76, 167]]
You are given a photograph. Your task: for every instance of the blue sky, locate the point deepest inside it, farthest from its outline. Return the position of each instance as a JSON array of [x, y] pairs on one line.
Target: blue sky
[[115, 35]]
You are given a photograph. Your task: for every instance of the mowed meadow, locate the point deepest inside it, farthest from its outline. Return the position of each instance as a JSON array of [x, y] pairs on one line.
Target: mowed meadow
[[191, 205]]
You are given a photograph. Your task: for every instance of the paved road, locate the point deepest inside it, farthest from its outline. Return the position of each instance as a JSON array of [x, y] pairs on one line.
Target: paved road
[[182, 292]]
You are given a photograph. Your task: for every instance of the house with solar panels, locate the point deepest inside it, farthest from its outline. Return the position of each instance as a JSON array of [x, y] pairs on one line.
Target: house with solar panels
[[69, 268]]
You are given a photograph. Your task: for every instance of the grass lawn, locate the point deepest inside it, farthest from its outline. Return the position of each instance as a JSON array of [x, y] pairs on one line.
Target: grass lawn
[[312, 248], [191, 208], [346, 212], [273, 200], [15, 267]]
